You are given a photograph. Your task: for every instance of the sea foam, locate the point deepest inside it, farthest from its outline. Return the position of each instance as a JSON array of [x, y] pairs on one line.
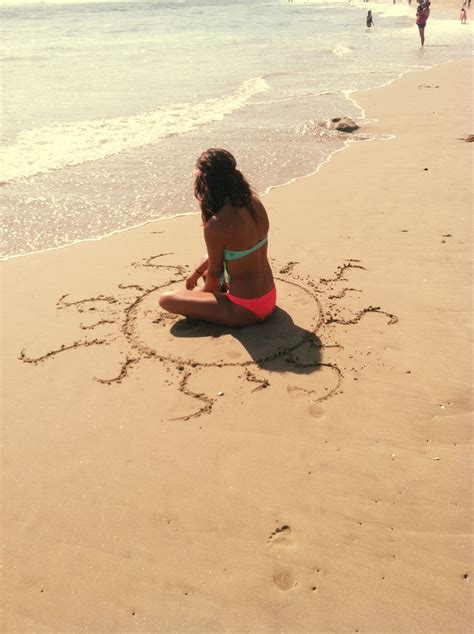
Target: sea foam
[[341, 50], [52, 147]]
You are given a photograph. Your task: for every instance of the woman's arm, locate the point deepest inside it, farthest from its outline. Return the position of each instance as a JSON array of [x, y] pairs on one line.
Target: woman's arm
[[215, 250]]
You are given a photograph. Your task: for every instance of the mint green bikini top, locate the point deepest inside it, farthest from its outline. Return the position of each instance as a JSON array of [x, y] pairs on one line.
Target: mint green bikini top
[[236, 255]]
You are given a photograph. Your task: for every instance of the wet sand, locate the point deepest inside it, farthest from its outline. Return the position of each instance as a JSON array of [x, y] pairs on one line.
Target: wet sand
[[309, 474]]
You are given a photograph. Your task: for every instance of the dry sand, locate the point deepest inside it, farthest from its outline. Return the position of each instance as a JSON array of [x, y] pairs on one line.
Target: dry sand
[[328, 488]]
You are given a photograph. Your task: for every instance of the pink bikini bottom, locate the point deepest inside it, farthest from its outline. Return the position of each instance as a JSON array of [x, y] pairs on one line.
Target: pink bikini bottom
[[261, 306]]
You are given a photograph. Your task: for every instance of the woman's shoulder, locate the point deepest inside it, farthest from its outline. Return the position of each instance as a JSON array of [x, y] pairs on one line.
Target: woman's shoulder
[[219, 224], [229, 215], [213, 226], [258, 210]]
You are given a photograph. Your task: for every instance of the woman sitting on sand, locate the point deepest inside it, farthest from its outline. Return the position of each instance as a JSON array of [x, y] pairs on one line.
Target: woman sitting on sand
[[238, 283]]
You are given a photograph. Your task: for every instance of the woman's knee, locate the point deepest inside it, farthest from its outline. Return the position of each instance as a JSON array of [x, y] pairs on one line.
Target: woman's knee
[[166, 301]]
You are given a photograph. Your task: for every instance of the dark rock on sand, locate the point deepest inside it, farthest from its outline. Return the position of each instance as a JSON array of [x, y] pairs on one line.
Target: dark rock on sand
[[343, 124]]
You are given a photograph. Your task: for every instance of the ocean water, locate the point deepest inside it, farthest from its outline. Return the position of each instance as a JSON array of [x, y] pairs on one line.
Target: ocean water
[[106, 105]]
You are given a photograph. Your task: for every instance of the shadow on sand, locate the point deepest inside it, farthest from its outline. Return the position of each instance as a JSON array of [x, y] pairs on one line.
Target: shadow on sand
[[276, 345]]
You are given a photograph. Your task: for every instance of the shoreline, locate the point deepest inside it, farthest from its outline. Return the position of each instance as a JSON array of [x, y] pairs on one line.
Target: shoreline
[[362, 119]]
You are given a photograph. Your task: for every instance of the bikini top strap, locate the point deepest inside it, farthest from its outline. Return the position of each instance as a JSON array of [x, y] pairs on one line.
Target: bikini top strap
[[236, 255]]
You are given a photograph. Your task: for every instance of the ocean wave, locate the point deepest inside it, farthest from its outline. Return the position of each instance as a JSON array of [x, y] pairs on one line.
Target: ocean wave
[[297, 97], [341, 50], [56, 146]]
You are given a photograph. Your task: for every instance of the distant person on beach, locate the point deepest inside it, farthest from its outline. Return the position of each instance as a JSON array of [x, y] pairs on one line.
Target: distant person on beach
[[422, 15], [238, 282], [463, 15], [369, 20]]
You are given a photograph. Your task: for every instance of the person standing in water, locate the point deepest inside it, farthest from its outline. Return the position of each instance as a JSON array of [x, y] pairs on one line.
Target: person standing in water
[[422, 15], [369, 21]]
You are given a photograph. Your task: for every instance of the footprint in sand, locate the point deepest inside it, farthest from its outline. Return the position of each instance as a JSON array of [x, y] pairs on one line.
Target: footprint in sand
[[282, 537], [316, 411], [284, 580], [296, 392]]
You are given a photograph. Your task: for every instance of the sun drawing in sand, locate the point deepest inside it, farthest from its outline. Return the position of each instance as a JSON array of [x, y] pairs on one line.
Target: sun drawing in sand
[[132, 319]]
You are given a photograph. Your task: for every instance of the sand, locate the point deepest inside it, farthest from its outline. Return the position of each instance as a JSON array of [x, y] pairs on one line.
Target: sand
[[309, 474]]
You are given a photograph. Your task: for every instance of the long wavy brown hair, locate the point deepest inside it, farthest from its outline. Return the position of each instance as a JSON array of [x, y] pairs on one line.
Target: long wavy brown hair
[[218, 181]]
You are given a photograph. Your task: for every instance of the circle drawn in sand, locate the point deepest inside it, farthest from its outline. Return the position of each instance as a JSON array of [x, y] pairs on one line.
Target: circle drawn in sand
[[150, 331]]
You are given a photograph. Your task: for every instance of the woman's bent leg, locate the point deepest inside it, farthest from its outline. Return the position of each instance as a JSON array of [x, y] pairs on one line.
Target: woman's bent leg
[[213, 307]]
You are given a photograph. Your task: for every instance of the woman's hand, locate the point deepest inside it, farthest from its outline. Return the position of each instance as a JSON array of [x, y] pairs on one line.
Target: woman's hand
[[192, 280], [198, 272]]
